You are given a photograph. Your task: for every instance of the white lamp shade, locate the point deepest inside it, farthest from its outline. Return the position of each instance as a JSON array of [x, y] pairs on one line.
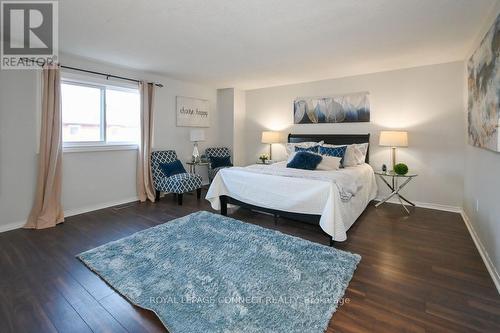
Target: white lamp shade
[[393, 139], [271, 137], [197, 135]]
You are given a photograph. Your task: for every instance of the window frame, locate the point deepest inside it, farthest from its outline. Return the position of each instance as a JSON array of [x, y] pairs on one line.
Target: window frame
[[102, 85]]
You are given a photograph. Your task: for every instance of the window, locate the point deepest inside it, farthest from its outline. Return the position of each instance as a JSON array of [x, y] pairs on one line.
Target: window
[[99, 114]]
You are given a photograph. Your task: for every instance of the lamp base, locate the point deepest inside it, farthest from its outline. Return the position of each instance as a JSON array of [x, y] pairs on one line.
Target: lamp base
[[393, 154], [196, 154]]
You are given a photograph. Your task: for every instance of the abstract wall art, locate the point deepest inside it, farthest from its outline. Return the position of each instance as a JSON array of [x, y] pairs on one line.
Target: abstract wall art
[[484, 91], [334, 109]]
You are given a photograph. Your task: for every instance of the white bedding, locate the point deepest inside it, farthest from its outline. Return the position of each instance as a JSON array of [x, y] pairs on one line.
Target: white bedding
[[338, 196], [347, 184]]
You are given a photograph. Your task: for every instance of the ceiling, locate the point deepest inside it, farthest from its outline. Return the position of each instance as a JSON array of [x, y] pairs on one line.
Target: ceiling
[[250, 44]]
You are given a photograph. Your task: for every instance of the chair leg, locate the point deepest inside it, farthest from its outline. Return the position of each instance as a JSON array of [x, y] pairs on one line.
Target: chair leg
[[179, 199], [198, 193], [157, 196]]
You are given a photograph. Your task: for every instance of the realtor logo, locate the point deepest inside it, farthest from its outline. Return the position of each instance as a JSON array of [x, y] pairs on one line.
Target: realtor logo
[[29, 34]]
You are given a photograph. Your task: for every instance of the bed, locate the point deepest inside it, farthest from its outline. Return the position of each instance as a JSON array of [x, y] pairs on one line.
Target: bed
[[332, 199]]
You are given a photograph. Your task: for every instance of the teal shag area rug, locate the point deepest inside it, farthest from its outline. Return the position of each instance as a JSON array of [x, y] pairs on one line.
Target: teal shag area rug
[[209, 273]]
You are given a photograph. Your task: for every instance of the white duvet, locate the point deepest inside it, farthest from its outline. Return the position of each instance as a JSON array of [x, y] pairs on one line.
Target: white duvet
[[338, 196], [347, 184]]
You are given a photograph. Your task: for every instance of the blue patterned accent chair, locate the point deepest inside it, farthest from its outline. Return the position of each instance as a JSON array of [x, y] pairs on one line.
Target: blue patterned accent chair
[[177, 184], [216, 152]]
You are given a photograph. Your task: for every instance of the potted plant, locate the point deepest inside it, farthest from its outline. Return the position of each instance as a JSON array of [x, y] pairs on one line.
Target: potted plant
[[401, 169], [264, 158]]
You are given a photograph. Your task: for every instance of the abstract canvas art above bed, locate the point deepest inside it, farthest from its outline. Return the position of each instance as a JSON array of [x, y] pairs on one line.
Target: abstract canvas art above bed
[[484, 91], [334, 109]]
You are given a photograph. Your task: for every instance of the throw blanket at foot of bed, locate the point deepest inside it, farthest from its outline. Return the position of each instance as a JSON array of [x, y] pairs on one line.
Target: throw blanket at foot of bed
[[346, 184], [210, 273]]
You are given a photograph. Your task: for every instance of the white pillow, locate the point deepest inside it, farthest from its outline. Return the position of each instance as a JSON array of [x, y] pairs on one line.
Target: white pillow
[[290, 147], [329, 163], [355, 154], [363, 148], [351, 156]]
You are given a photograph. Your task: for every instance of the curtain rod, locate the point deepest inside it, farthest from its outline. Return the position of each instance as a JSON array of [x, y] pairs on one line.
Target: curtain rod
[[107, 75], [94, 72]]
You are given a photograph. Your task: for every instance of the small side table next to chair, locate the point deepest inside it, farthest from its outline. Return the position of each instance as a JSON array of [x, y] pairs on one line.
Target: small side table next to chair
[[395, 186], [192, 165]]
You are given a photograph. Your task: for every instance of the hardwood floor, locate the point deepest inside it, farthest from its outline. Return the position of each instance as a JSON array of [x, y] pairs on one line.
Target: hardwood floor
[[418, 273]]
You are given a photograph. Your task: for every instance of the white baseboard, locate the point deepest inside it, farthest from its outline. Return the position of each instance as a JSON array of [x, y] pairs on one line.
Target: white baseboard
[[447, 208], [495, 276], [477, 241], [12, 226], [72, 212], [86, 209]]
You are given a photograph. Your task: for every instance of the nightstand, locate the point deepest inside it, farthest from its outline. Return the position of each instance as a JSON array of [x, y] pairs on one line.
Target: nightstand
[[396, 183], [267, 162], [192, 165]]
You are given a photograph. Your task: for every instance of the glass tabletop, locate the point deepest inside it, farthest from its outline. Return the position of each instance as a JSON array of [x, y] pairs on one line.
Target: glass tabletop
[[266, 162], [196, 163], [393, 174]]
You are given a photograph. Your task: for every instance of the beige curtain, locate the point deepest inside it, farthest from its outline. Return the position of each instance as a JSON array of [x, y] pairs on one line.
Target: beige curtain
[[144, 177], [47, 210]]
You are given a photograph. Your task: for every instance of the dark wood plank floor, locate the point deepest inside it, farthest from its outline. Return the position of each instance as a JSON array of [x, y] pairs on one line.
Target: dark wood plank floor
[[419, 273]]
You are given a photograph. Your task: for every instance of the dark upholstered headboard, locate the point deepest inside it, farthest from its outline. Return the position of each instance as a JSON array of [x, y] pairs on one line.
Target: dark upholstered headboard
[[333, 139]]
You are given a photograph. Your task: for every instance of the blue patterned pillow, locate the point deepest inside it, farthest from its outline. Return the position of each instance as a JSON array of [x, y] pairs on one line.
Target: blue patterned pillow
[[333, 151], [313, 149], [217, 162], [305, 160], [173, 168]]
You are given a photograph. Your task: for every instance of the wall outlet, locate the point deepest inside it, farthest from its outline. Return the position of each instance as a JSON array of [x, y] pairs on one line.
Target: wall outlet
[[477, 205]]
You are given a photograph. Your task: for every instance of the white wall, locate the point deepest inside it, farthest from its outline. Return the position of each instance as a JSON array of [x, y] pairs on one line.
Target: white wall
[[90, 179], [239, 127], [425, 101], [231, 106], [225, 106], [17, 146], [482, 188]]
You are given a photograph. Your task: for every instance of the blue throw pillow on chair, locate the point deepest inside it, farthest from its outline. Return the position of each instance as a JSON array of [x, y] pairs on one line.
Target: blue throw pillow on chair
[[172, 168], [305, 160], [217, 162]]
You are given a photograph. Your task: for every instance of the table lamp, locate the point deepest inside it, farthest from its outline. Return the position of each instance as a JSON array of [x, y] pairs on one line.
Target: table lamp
[[270, 137], [393, 139], [196, 136]]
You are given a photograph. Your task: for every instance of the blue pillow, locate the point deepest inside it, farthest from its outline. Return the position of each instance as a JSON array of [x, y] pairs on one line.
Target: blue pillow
[[313, 149], [217, 162], [333, 151], [305, 160], [172, 168]]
